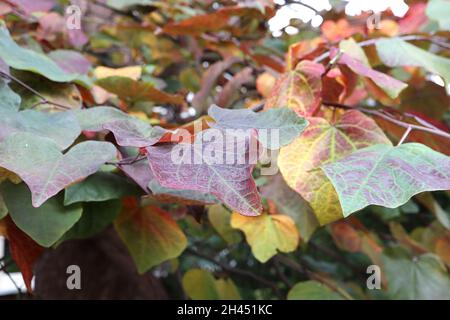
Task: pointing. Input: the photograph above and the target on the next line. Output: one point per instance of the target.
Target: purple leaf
(31, 6)
(128, 131)
(209, 166)
(46, 171)
(71, 61)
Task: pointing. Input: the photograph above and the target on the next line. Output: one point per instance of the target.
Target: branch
(386, 116)
(236, 271)
(23, 84)
(288, 262)
(434, 40)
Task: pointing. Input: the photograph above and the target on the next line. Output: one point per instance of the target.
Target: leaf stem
(427, 128)
(405, 135)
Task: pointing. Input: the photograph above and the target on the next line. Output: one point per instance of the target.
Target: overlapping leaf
(45, 224)
(267, 234)
(275, 127)
(299, 89)
(220, 218)
(397, 52)
(24, 59)
(150, 233)
(45, 170)
(321, 143)
(387, 176)
(209, 166)
(133, 90)
(201, 285)
(312, 290)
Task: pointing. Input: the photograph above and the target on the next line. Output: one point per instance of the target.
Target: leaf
(71, 61)
(128, 130)
(290, 203)
(439, 10)
(299, 89)
(312, 290)
(200, 285)
(125, 4)
(45, 224)
(100, 186)
(46, 171)
(134, 91)
(140, 173)
(275, 127)
(387, 176)
(323, 142)
(31, 6)
(211, 22)
(60, 127)
(132, 72)
(220, 219)
(24, 251)
(209, 167)
(150, 234)
(3, 208)
(9, 100)
(351, 58)
(396, 52)
(96, 217)
(189, 197)
(28, 60)
(267, 234)
(415, 278)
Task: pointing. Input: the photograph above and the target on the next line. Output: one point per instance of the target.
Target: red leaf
(24, 250)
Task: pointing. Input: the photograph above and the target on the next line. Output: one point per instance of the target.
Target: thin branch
(236, 271)
(405, 135)
(127, 161)
(429, 128)
(3, 269)
(23, 84)
(288, 262)
(369, 42)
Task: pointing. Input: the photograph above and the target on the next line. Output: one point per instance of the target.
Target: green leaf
(395, 52)
(439, 10)
(45, 224)
(312, 290)
(100, 186)
(266, 234)
(28, 60)
(150, 234)
(46, 171)
(9, 100)
(124, 4)
(387, 176)
(220, 220)
(96, 217)
(200, 285)
(3, 208)
(134, 91)
(415, 278)
(275, 127)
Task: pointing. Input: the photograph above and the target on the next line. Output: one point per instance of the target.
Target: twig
(3, 269)
(332, 62)
(23, 84)
(429, 128)
(236, 271)
(406, 38)
(405, 135)
(128, 161)
(313, 275)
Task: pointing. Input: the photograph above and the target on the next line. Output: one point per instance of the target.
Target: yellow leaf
(267, 233)
(133, 72)
(321, 143)
(5, 174)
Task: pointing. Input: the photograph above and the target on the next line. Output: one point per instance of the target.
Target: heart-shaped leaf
(209, 166)
(45, 170)
(324, 142)
(267, 234)
(275, 127)
(387, 176)
(45, 224)
(150, 234)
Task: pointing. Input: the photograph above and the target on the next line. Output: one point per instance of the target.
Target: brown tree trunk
(107, 271)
